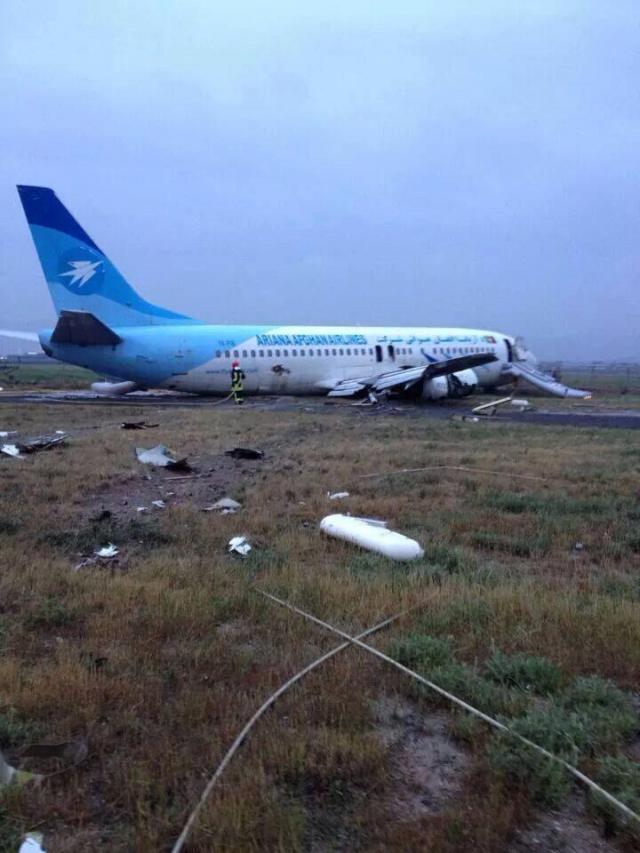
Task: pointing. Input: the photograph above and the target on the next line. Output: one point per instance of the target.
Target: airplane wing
(545, 382)
(405, 378)
(24, 336)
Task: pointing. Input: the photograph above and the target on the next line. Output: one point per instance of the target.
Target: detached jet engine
(460, 384)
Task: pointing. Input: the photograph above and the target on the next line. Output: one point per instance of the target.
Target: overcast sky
(427, 163)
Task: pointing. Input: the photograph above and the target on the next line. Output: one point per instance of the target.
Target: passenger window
(348, 352)
(227, 353)
(253, 353)
(270, 353)
(236, 354)
(302, 352)
(277, 353)
(334, 352)
(326, 352)
(310, 352)
(294, 352)
(341, 352)
(285, 353)
(218, 353)
(244, 353)
(318, 352)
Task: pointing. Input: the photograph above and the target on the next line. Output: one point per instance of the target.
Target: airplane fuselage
(277, 360)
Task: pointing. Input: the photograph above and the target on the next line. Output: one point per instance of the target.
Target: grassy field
(52, 375)
(159, 658)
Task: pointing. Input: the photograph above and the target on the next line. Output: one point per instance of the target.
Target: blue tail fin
(79, 275)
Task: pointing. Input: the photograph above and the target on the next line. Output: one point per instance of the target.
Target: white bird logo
(81, 271)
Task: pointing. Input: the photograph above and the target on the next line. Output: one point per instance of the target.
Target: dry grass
(191, 650)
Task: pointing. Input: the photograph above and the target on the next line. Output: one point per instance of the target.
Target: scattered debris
(141, 509)
(471, 418)
(11, 450)
(44, 442)
(32, 843)
(239, 545)
(107, 552)
(578, 546)
(225, 506)
(60, 432)
(336, 496)
(245, 453)
(492, 407)
(371, 536)
(137, 425)
(159, 504)
(160, 457)
(6, 433)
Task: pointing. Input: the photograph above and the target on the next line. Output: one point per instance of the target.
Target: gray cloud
(455, 163)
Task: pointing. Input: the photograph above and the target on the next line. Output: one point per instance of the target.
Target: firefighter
(237, 377)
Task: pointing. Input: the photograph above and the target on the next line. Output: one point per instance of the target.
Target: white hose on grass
(462, 704)
(177, 847)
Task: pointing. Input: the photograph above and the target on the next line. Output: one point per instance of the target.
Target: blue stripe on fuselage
(150, 355)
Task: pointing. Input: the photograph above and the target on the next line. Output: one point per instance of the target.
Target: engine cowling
(459, 384)
(113, 389)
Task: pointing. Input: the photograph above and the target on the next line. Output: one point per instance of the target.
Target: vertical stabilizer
(79, 275)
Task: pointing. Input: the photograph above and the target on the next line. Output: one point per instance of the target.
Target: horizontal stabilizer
(545, 382)
(82, 328)
(21, 336)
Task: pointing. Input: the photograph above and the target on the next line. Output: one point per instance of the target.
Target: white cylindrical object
(113, 389)
(390, 544)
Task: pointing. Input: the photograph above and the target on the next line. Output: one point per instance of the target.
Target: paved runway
(457, 409)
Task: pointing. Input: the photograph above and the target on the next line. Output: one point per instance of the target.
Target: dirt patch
(428, 766)
(213, 477)
(565, 831)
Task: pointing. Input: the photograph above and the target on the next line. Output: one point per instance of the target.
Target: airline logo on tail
(81, 271)
(81, 275)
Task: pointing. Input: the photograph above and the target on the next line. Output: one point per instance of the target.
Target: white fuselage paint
(314, 368)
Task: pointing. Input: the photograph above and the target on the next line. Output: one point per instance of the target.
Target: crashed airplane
(104, 325)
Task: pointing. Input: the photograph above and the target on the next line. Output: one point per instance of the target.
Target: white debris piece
(225, 506)
(60, 432)
(6, 433)
(336, 496)
(159, 504)
(239, 545)
(141, 509)
(160, 456)
(11, 450)
(32, 843)
(371, 536)
(107, 552)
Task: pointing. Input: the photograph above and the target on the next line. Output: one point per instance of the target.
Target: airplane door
(509, 349)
